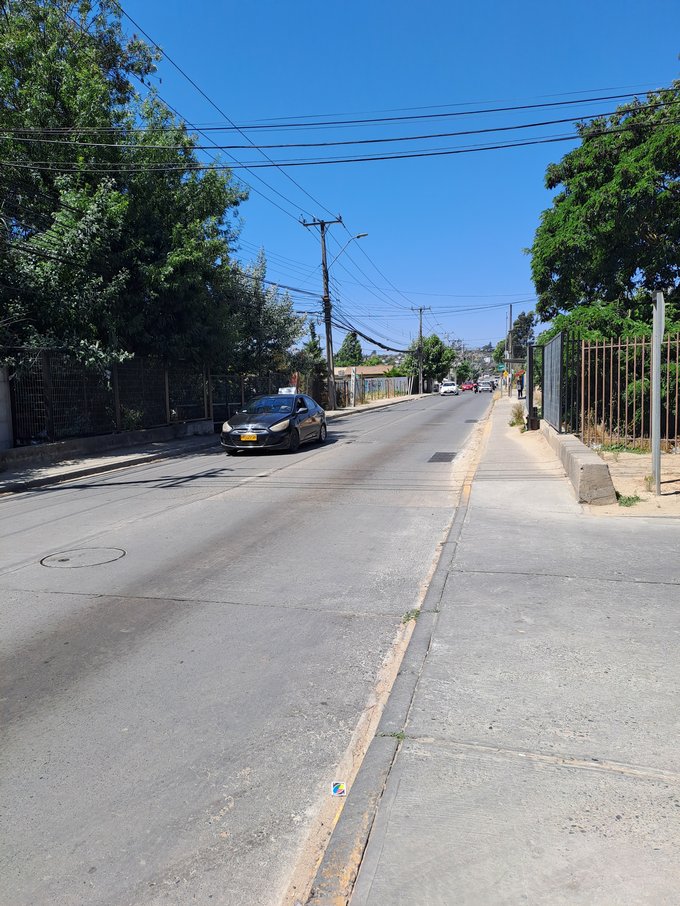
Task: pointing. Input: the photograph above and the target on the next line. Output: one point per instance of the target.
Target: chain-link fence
(55, 396)
(230, 391)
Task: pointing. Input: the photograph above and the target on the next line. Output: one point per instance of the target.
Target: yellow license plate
(249, 437)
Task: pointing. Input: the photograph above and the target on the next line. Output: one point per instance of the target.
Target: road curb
(32, 483)
(337, 872)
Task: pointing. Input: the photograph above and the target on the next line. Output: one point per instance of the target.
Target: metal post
(530, 388)
(657, 338)
(168, 413)
(206, 408)
(116, 397)
(420, 352)
(48, 396)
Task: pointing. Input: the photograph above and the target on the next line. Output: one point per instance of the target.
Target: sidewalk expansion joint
(580, 577)
(601, 765)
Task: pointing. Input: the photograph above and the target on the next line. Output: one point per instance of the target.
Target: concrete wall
(6, 436)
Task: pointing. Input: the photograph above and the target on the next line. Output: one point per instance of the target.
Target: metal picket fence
(616, 392)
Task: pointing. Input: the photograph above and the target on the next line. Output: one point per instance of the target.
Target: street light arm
(351, 239)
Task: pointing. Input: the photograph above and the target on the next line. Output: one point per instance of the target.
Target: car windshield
(262, 405)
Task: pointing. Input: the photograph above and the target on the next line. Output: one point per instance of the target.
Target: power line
(188, 123)
(636, 89)
(334, 144)
(48, 166)
(369, 121)
(214, 105)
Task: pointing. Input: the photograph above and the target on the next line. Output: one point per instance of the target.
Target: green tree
(597, 322)
(613, 231)
(350, 353)
(437, 358)
(111, 241)
(266, 326)
(463, 372)
(499, 352)
(310, 359)
(522, 333)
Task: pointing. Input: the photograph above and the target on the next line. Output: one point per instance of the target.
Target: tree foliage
(463, 372)
(522, 333)
(111, 239)
(264, 323)
(309, 359)
(613, 230)
(437, 358)
(350, 352)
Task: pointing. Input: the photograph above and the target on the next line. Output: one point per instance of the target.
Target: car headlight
(280, 426)
(226, 427)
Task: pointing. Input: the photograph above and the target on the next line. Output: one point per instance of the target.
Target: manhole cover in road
(83, 556)
(442, 457)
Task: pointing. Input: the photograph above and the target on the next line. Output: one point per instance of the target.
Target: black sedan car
(279, 421)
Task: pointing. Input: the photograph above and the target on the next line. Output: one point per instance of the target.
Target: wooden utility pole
(420, 347)
(323, 225)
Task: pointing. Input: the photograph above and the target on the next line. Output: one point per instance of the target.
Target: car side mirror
(303, 409)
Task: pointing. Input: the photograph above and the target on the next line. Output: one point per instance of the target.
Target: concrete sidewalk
(39, 473)
(536, 726)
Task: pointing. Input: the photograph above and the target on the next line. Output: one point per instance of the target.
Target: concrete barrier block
(588, 474)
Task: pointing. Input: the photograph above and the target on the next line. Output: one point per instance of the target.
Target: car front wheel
(294, 445)
(323, 433)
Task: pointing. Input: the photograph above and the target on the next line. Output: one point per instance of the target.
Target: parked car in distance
(280, 421)
(467, 385)
(485, 387)
(448, 387)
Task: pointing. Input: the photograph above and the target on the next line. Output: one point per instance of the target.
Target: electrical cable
(335, 144)
(188, 123)
(370, 121)
(633, 89)
(47, 166)
(213, 104)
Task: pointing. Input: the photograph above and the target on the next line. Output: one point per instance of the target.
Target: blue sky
(445, 232)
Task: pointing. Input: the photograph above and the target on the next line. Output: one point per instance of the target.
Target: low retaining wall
(78, 446)
(587, 472)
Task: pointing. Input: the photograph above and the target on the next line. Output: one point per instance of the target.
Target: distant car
(448, 387)
(467, 385)
(485, 387)
(279, 421)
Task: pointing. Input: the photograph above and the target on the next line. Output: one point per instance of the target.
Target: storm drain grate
(442, 457)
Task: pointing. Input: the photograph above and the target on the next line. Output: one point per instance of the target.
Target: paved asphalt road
(171, 719)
